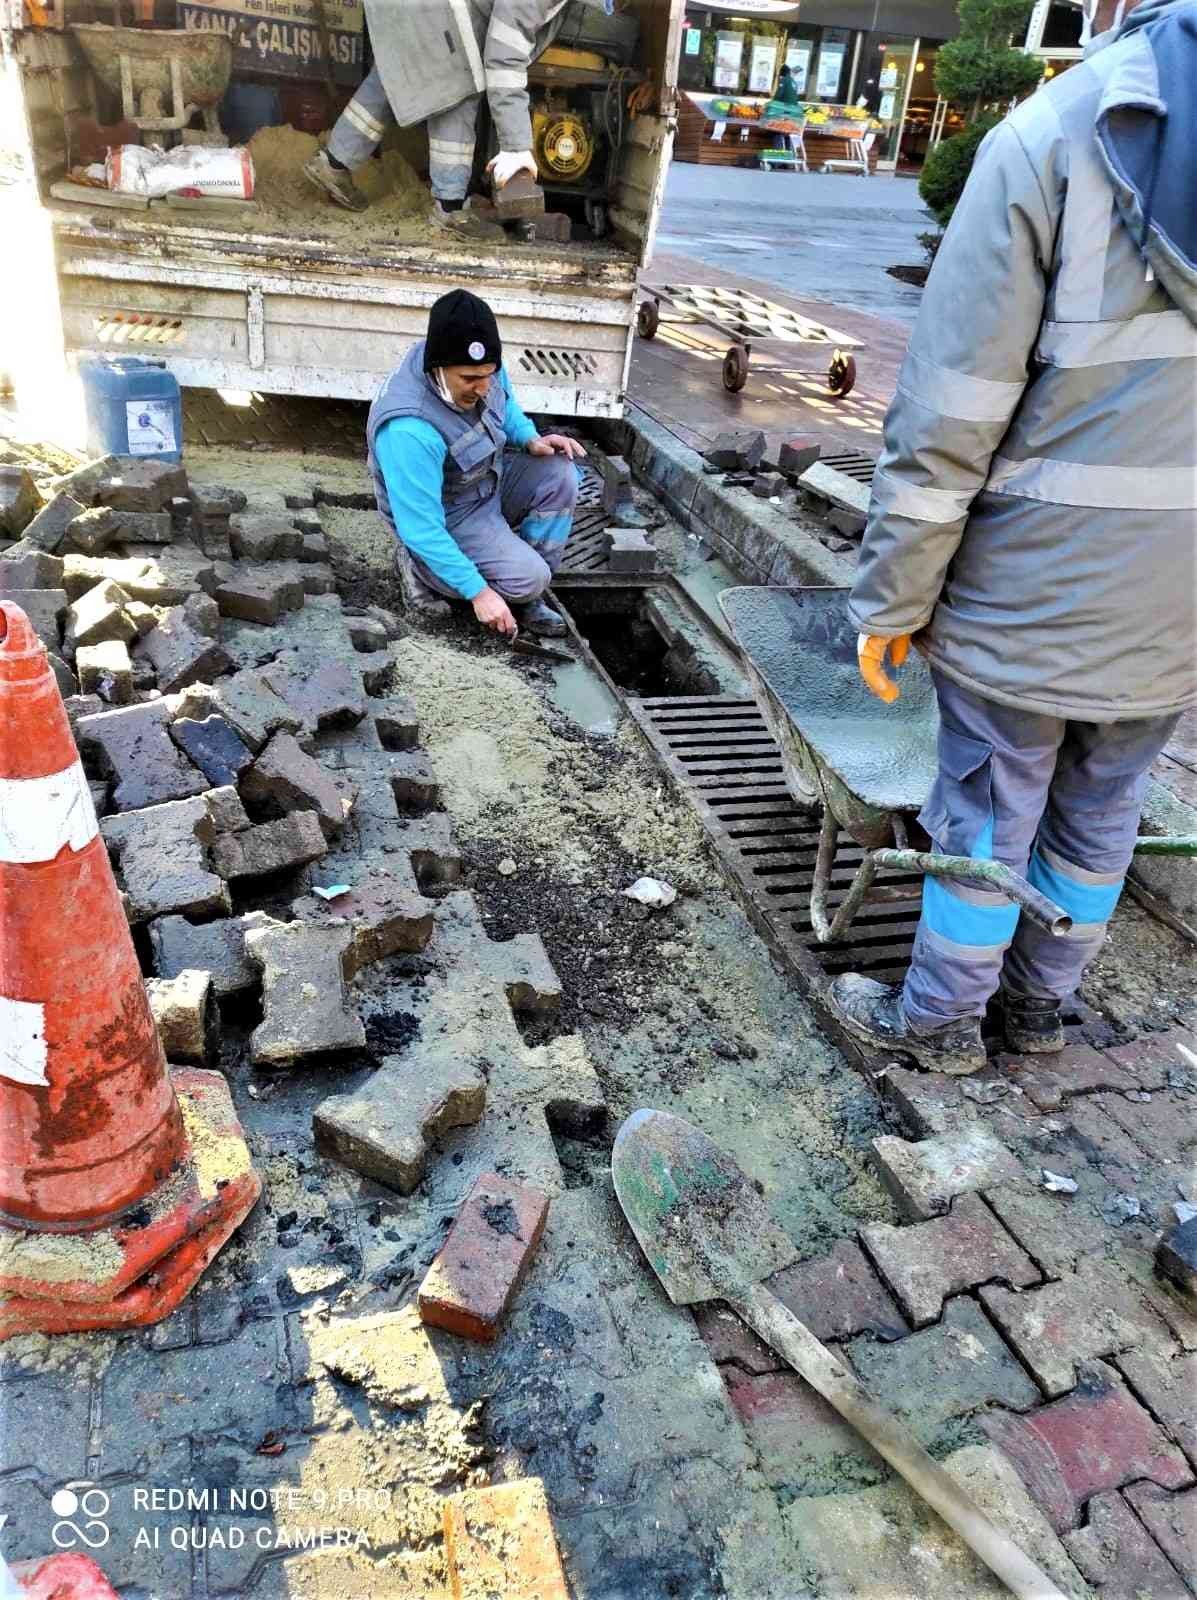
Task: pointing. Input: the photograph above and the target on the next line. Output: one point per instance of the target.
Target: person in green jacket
(787, 89)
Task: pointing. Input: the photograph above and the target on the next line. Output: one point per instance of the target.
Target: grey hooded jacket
(433, 54)
(1035, 506)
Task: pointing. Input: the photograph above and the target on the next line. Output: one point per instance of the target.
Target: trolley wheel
(841, 374)
(735, 369)
(648, 319)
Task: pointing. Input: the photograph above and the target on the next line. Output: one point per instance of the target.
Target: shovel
(709, 1235)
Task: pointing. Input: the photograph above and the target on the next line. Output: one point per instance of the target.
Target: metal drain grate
(852, 463)
(720, 751)
(586, 549)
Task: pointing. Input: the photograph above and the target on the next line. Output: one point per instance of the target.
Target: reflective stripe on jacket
(1035, 505)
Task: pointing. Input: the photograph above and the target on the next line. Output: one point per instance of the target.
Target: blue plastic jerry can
(133, 408)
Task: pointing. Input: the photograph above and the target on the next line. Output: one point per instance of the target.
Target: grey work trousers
(515, 537)
(360, 127)
(1059, 801)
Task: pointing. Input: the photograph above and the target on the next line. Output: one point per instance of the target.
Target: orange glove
(870, 656)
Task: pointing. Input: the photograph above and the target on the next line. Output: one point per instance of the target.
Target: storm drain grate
(588, 547)
(720, 751)
(852, 463)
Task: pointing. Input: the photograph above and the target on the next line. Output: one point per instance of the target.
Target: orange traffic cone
(62, 1577)
(118, 1183)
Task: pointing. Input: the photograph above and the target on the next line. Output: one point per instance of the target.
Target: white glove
(508, 162)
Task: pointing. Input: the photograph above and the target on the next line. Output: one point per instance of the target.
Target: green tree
(981, 71)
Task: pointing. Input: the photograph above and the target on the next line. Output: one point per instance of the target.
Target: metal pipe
(828, 930)
(993, 875)
(1164, 844)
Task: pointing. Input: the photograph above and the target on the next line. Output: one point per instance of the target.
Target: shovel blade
(706, 1231)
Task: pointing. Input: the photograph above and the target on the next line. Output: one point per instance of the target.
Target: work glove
(507, 163)
(870, 657)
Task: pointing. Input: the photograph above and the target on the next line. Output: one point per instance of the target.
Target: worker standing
(480, 503)
(432, 61)
(1033, 528)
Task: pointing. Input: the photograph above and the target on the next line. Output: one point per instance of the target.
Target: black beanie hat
(462, 332)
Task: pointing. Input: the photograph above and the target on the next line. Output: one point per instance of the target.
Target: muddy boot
(1032, 1027)
(541, 619)
(872, 1012)
(335, 182)
(418, 599)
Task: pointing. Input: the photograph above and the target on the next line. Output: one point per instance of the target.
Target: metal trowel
(709, 1235)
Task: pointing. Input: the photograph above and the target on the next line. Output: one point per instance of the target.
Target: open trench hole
(625, 631)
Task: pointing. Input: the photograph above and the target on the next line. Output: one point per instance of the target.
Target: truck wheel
(648, 319)
(841, 374)
(735, 369)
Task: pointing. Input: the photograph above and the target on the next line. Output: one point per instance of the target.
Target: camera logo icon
(81, 1509)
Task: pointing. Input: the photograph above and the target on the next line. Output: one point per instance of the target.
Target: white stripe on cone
(23, 1041)
(39, 815)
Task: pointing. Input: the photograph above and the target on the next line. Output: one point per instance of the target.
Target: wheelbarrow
(868, 766)
(187, 70)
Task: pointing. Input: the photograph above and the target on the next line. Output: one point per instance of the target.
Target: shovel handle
(781, 1329)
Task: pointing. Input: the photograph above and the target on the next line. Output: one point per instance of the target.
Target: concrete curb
(760, 541)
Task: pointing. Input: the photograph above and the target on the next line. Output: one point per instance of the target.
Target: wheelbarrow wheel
(648, 319)
(841, 374)
(735, 369)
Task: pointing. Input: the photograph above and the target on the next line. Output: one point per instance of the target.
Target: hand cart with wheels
(752, 323)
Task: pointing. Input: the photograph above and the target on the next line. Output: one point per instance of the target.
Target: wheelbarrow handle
(1165, 844)
(993, 875)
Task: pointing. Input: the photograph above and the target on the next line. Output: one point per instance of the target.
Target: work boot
(418, 598)
(335, 182)
(1033, 1027)
(541, 619)
(872, 1012)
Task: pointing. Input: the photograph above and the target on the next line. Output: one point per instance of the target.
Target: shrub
(946, 169)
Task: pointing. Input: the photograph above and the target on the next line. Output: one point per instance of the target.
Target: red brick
(1165, 1125)
(1166, 1383)
(1056, 1231)
(1101, 1141)
(473, 1280)
(1093, 1312)
(802, 1444)
(1172, 1522)
(1150, 1057)
(926, 1263)
(1076, 1070)
(839, 1296)
(500, 1541)
(1118, 1556)
(926, 1175)
(730, 1340)
(927, 1102)
(1099, 1437)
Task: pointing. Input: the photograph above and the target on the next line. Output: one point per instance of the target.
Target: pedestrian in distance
(1033, 527)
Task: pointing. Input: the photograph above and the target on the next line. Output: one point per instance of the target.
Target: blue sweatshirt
(411, 455)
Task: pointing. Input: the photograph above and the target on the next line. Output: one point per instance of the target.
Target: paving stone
(839, 1295)
(45, 609)
(431, 846)
(217, 948)
(202, 614)
(213, 539)
(19, 501)
(171, 572)
(737, 452)
(413, 781)
(366, 633)
(802, 1444)
(1171, 1520)
(324, 693)
(397, 722)
(1166, 1383)
(136, 484)
(82, 705)
(133, 745)
(768, 485)
(179, 655)
(45, 1424)
(77, 574)
(1165, 1126)
(245, 701)
(929, 1261)
(92, 531)
(213, 746)
(318, 580)
(1093, 1312)
(147, 527)
(1098, 1437)
(478, 1269)
(63, 677)
(797, 453)
(377, 671)
(47, 530)
(1077, 1069)
(225, 808)
(162, 857)
(145, 618)
(392, 623)
(1149, 1058)
(731, 1342)
(1176, 1257)
(885, 1542)
(500, 1540)
(184, 1009)
(83, 483)
(1118, 1556)
(284, 779)
(630, 551)
(215, 500)
(258, 593)
(288, 842)
(1057, 1231)
(520, 964)
(306, 1006)
(928, 1103)
(24, 567)
(313, 545)
(924, 1178)
(946, 1372)
(386, 1135)
(98, 615)
(264, 536)
(385, 912)
(105, 669)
